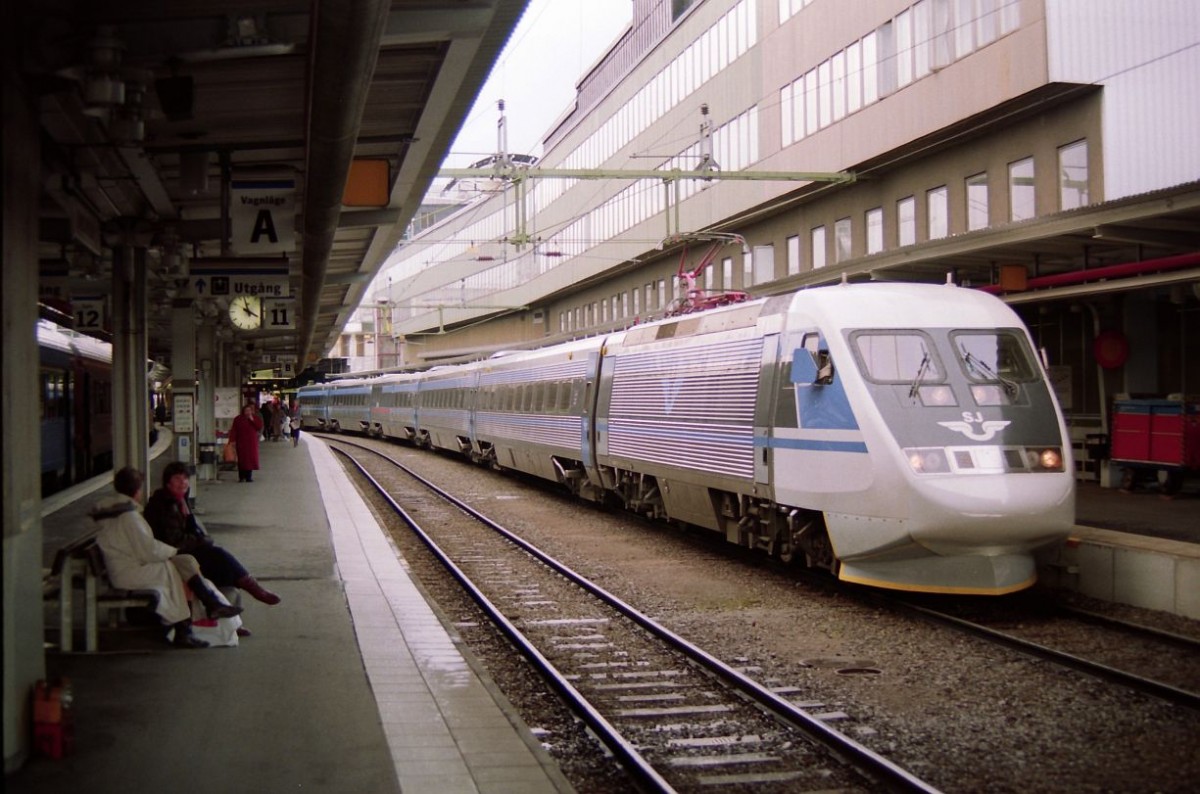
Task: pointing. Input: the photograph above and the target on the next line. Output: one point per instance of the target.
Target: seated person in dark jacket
(173, 523)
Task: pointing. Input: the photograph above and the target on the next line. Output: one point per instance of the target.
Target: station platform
(1139, 548)
(351, 684)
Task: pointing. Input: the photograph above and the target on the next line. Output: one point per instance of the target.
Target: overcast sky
(555, 41)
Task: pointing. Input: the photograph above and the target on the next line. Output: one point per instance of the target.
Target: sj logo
(975, 427)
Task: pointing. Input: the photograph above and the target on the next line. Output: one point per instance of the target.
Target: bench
(82, 562)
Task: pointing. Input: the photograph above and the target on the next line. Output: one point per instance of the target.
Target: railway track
(1089, 642)
(675, 717)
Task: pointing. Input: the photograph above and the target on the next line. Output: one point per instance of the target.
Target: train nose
(993, 514)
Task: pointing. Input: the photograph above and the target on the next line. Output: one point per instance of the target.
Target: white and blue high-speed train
(903, 436)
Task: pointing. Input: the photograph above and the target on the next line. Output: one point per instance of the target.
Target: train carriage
(314, 406)
(918, 421)
(75, 398)
(532, 411)
(347, 405)
(394, 410)
(445, 407)
(679, 414)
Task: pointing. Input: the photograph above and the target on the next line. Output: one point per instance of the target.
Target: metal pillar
(206, 344)
(131, 408)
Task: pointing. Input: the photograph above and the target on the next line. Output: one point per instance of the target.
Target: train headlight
(1044, 458)
(927, 460)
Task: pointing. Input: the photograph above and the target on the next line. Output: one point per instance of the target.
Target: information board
(185, 413)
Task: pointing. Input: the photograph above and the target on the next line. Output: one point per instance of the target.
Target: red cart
(1156, 436)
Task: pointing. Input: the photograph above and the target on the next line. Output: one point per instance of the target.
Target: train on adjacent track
(902, 436)
(75, 401)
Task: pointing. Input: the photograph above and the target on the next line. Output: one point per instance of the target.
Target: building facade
(1039, 148)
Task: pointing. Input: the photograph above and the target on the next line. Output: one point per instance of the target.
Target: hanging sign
(88, 312)
(262, 215)
(220, 278)
(279, 314)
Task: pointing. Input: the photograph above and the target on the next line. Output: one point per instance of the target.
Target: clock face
(245, 311)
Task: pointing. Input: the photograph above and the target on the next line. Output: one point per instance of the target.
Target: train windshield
(898, 357)
(995, 362)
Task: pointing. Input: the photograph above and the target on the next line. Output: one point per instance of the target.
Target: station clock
(245, 312)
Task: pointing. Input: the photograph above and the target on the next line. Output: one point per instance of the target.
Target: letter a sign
(262, 213)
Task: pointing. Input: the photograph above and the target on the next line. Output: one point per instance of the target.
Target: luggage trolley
(1156, 436)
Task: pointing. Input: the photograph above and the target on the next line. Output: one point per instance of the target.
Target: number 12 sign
(89, 313)
(279, 314)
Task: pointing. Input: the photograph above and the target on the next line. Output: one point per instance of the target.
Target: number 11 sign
(279, 314)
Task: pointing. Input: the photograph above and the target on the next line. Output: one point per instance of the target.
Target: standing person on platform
(295, 424)
(244, 434)
(266, 420)
(278, 414)
(136, 561)
(173, 523)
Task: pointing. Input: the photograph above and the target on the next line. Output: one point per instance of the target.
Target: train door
(57, 440)
(764, 410)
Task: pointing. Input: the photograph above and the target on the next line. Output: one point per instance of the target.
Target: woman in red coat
(244, 433)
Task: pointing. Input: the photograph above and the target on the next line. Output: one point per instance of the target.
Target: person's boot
(184, 637)
(212, 604)
(251, 586)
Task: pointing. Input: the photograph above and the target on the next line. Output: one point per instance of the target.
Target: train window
(53, 395)
(897, 357)
(995, 362)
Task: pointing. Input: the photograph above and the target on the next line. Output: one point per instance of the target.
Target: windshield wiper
(1010, 387)
(921, 372)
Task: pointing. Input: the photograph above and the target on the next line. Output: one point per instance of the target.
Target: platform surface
(352, 684)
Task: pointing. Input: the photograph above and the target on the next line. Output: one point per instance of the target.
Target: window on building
(874, 220)
(988, 22)
(841, 240)
(839, 85)
(906, 221)
(870, 68)
(964, 39)
(1021, 193)
(637, 302)
(922, 38)
(977, 202)
(886, 42)
(764, 264)
(662, 293)
(818, 247)
(785, 115)
(942, 32)
(1073, 175)
(937, 207)
(853, 77)
(726, 273)
(793, 254)
(904, 48)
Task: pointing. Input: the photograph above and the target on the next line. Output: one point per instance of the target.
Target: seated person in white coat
(136, 561)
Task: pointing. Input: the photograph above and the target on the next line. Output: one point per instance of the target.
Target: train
(901, 436)
(75, 406)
